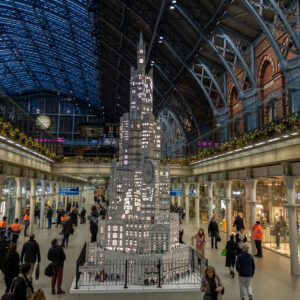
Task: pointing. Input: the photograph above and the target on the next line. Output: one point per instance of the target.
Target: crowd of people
(19, 269)
(237, 257)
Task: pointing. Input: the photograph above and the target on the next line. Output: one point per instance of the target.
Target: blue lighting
(47, 45)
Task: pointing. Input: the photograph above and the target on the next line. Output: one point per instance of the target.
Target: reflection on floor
(272, 279)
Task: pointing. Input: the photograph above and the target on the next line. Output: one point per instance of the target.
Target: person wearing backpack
(10, 265)
(21, 286)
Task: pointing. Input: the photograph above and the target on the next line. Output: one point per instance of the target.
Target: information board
(68, 191)
(176, 192)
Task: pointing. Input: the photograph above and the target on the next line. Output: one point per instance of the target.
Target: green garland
(284, 125)
(7, 130)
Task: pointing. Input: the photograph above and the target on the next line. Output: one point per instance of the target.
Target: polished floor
(272, 279)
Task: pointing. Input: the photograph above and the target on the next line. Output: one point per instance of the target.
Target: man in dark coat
(94, 229)
(4, 244)
(31, 253)
(231, 255)
(213, 232)
(67, 230)
(57, 256)
(246, 267)
(49, 217)
(238, 222)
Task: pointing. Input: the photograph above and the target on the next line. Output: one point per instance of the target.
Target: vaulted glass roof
(48, 45)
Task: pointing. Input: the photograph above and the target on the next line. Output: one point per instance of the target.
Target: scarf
(212, 286)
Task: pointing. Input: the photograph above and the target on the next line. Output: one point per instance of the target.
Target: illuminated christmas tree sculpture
(139, 227)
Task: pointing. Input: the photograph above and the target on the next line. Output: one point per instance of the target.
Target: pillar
(42, 212)
(293, 235)
(19, 183)
(179, 198)
(51, 193)
(2, 181)
(210, 200)
(32, 203)
(228, 201)
(252, 203)
(187, 202)
(197, 204)
(271, 199)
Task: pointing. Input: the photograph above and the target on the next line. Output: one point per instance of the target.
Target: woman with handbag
(231, 255)
(200, 242)
(212, 285)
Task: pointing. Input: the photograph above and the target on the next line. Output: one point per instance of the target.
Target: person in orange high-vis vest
(258, 237)
(26, 222)
(3, 225)
(63, 220)
(16, 229)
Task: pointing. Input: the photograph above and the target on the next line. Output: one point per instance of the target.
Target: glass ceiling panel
(47, 45)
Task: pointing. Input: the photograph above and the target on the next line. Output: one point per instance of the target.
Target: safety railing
(80, 262)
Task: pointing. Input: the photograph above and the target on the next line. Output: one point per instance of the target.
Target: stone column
(210, 199)
(293, 235)
(19, 183)
(179, 198)
(187, 202)
(228, 200)
(2, 195)
(51, 193)
(42, 212)
(252, 203)
(197, 204)
(32, 203)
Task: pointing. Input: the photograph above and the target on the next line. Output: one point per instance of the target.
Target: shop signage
(192, 192)
(209, 144)
(176, 192)
(68, 191)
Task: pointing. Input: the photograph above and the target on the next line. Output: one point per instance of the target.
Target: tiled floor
(271, 281)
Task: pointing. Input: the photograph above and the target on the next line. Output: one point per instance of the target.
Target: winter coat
(11, 265)
(231, 254)
(57, 255)
(206, 288)
(67, 227)
(239, 223)
(49, 212)
(3, 250)
(245, 265)
(93, 227)
(31, 251)
(213, 228)
(20, 288)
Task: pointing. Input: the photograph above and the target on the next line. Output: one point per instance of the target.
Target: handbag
(37, 272)
(48, 270)
(224, 252)
(218, 238)
(11, 293)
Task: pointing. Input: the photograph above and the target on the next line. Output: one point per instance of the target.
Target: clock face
(148, 172)
(141, 51)
(44, 122)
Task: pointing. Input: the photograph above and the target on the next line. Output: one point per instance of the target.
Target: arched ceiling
(194, 47)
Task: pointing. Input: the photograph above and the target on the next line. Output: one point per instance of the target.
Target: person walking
(59, 215)
(200, 241)
(73, 216)
(31, 253)
(3, 225)
(240, 238)
(94, 229)
(277, 230)
(231, 255)
(246, 267)
(10, 265)
(4, 245)
(37, 216)
(16, 229)
(213, 232)
(57, 256)
(82, 215)
(67, 230)
(22, 287)
(238, 222)
(49, 217)
(26, 221)
(257, 237)
(212, 285)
